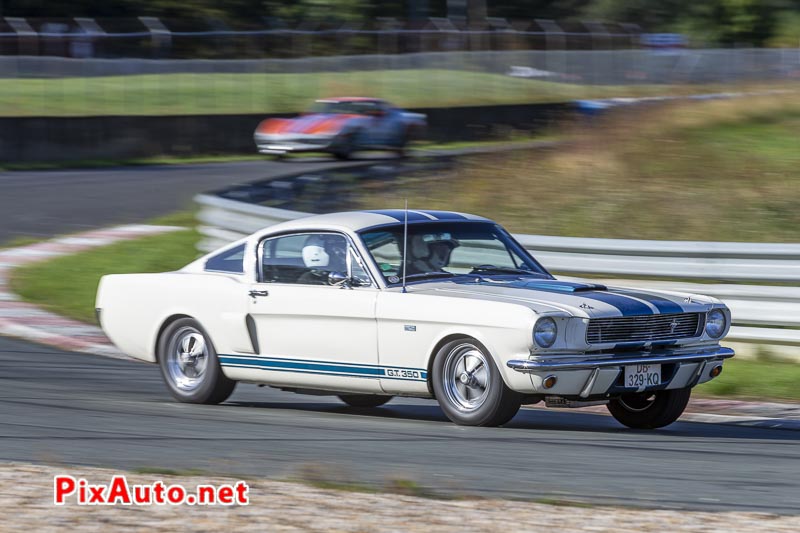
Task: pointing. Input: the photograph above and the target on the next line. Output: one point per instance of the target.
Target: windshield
(347, 107)
(445, 249)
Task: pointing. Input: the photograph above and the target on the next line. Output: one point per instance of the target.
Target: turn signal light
(716, 371)
(549, 382)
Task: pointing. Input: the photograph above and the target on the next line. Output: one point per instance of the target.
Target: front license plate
(638, 376)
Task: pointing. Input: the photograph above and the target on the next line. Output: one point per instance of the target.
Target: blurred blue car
(341, 126)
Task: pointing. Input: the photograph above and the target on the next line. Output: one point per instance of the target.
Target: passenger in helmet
(314, 254)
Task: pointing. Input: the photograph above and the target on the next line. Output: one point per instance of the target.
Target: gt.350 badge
(401, 373)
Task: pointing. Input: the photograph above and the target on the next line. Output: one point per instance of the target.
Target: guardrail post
(555, 43)
(27, 38)
(160, 36)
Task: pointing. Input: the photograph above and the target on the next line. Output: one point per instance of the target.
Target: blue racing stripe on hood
(626, 305)
(560, 286)
(662, 304)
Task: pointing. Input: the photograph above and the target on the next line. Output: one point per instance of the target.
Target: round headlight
(544, 332)
(715, 323)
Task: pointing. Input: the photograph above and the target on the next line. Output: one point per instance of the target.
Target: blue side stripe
(317, 361)
(662, 304)
(423, 377)
(293, 365)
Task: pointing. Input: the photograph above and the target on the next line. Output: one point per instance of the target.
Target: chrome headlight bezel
(716, 322)
(545, 332)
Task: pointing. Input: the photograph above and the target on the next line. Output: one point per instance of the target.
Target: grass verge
(755, 379)
(222, 93)
(725, 170)
(67, 285)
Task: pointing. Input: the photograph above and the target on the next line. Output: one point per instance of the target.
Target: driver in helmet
(440, 252)
(430, 253)
(323, 254)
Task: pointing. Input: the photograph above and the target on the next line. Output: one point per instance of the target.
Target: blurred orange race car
(341, 126)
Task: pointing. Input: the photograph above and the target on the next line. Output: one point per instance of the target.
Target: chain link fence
(53, 86)
(84, 67)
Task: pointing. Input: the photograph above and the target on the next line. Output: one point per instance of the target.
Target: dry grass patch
(726, 170)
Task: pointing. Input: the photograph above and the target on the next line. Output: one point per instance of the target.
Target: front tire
(366, 401)
(650, 410)
(344, 147)
(469, 387)
(189, 364)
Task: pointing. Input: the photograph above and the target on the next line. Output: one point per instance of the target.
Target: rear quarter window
(231, 261)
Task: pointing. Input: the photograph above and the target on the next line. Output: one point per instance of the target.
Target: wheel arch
(164, 325)
(449, 338)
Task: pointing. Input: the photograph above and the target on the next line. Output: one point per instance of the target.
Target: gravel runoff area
(26, 497)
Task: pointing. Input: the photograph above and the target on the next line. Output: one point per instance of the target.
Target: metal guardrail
(761, 314)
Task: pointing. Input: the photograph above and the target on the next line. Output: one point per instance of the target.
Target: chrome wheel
(187, 359)
(465, 378)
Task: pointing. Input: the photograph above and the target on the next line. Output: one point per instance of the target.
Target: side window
(228, 261)
(357, 272)
(305, 259)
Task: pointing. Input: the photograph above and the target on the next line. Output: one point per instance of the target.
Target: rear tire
(189, 364)
(366, 401)
(469, 387)
(650, 410)
(402, 148)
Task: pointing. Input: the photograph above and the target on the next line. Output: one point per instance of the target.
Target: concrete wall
(34, 139)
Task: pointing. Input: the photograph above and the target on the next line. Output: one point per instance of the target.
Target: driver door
(311, 333)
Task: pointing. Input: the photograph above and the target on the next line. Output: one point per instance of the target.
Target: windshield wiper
(503, 270)
(423, 275)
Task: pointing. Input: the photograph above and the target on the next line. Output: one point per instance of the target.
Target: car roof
(360, 220)
(350, 99)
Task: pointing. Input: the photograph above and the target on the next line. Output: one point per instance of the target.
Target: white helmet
(315, 256)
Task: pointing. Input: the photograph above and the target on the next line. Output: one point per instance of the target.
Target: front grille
(645, 328)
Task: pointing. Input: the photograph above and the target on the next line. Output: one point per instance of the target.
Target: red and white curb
(30, 322)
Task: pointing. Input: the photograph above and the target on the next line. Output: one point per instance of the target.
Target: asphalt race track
(56, 202)
(82, 409)
(88, 410)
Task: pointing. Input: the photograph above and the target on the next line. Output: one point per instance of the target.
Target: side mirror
(339, 278)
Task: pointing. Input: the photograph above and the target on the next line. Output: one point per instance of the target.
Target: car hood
(587, 300)
(315, 123)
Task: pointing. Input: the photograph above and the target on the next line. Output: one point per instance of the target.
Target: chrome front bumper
(282, 145)
(600, 376)
(609, 360)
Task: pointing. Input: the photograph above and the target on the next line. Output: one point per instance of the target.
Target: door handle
(254, 294)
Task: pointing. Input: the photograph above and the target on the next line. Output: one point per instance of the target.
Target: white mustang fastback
(370, 305)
